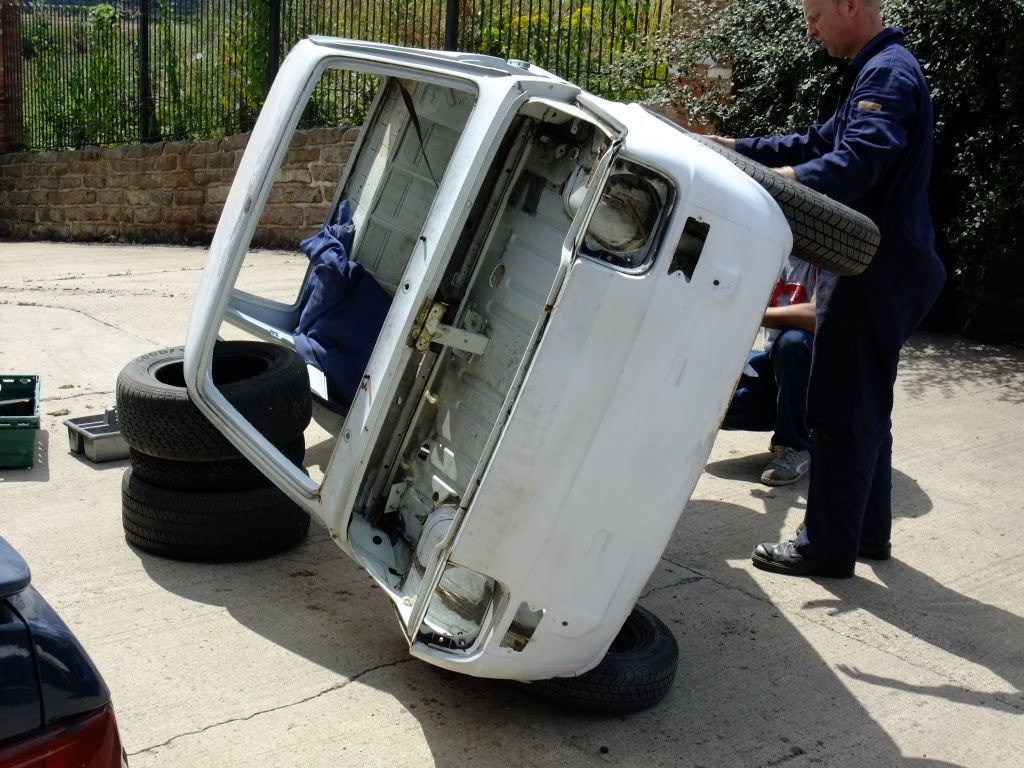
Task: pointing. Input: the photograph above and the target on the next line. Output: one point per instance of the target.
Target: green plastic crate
(19, 420)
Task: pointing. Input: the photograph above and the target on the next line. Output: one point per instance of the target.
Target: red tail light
(87, 742)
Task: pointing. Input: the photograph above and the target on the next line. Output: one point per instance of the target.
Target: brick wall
(171, 192)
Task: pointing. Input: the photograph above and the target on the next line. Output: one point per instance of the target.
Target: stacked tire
(188, 494)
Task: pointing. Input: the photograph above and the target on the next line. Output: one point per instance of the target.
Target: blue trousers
(776, 399)
(861, 329)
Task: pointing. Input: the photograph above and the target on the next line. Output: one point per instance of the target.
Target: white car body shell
(615, 405)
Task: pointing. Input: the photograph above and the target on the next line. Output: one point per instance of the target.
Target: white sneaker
(787, 466)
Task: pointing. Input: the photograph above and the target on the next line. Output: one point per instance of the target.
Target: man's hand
(723, 140)
(788, 172)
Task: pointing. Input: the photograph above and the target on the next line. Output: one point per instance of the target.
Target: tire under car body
(636, 673)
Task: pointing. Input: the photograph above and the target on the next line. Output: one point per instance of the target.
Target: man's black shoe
(868, 550)
(784, 558)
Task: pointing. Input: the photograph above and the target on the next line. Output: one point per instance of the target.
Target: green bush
(969, 48)
(602, 45)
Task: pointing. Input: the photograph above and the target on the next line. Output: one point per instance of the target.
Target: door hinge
(436, 332)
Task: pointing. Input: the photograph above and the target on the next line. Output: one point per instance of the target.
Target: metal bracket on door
(434, 331)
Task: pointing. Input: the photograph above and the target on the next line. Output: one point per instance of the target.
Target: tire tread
(161, 420)
(223, 476)
(209, 527)
(825, 232)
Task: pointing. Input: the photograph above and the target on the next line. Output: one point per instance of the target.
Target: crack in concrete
(91, 317)
(324, 692)
(719, 582)
(86, 393)
(82, 291)
(1011, 704)
(44, 281)
(794, 753)
(681, 582)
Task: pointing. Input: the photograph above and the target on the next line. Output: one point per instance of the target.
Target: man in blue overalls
(875, 155)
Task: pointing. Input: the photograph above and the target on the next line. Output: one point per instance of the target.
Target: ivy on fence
(209, 61)
(89, 100)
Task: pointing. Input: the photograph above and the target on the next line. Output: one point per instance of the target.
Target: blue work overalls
(875, 155)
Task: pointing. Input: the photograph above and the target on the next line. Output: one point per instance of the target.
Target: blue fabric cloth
(342, 309)
(775, 400)
(875, 155)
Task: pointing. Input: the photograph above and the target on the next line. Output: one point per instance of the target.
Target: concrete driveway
(298, 660)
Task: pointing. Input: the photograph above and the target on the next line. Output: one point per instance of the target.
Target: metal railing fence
(129, 71)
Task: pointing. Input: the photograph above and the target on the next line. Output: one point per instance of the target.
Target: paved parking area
(298, 661)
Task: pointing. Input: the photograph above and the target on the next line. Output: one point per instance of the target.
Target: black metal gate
(144, 70)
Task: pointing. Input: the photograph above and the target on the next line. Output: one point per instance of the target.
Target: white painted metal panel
(620, 402)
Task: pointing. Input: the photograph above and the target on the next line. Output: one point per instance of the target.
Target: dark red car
(55, 709)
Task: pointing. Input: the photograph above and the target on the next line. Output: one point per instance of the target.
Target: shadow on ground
(939, 362)
(908, 498)
(786, 704)
(919, 605)
(39, 472)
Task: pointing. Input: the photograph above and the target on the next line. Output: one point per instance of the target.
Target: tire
(225, 476)
(826, 233)
(636, 673)
(268, 384)
(209, 527)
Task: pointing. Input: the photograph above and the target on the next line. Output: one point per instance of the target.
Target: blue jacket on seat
(342, 309)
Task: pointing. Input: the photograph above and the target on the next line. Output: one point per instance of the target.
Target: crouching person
(772, 392)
